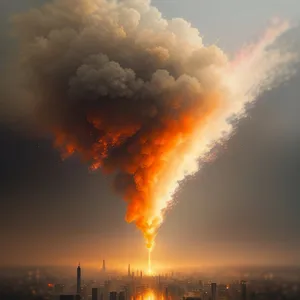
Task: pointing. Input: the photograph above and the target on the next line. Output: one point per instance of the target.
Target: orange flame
(149, 157)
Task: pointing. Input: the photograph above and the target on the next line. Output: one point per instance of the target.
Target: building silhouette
(129, 270)
(214, 291)
(78, 290)
(103, 266)
(95, 293)
(122, 296)
(113, 296)
(243, 290)
(98, 293)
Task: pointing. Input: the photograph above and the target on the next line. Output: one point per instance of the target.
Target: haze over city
(240, 210)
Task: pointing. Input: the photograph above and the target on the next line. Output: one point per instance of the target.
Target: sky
(240, 209)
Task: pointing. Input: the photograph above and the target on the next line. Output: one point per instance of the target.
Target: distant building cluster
(134, 285)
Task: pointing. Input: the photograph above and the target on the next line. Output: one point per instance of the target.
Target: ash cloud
(134, 94)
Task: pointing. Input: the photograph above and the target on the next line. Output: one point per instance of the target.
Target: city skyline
(53, 284)
(174, 286)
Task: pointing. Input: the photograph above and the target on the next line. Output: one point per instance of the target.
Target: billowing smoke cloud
(135, 95)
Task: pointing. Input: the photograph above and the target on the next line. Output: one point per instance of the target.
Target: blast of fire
(137, 95)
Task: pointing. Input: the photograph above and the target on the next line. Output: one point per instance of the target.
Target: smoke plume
(136, 95)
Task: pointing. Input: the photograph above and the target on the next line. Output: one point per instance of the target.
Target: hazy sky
(242, 208)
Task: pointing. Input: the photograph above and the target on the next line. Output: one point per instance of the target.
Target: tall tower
(243, 290)
(214, 291)
(129, 273)
(78, 279)
(95, 292)
(103, 266)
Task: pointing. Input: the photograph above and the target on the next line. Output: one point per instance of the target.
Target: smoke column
(138, 96)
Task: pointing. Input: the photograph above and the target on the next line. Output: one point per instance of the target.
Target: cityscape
(108, 284)
(149, 150)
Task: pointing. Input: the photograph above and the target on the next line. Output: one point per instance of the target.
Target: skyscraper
(243, 290)
(129, 273)
(113, 296)
(103, 266)
(214, 291)
(78, 279)
(95, 294)
(98, 293)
